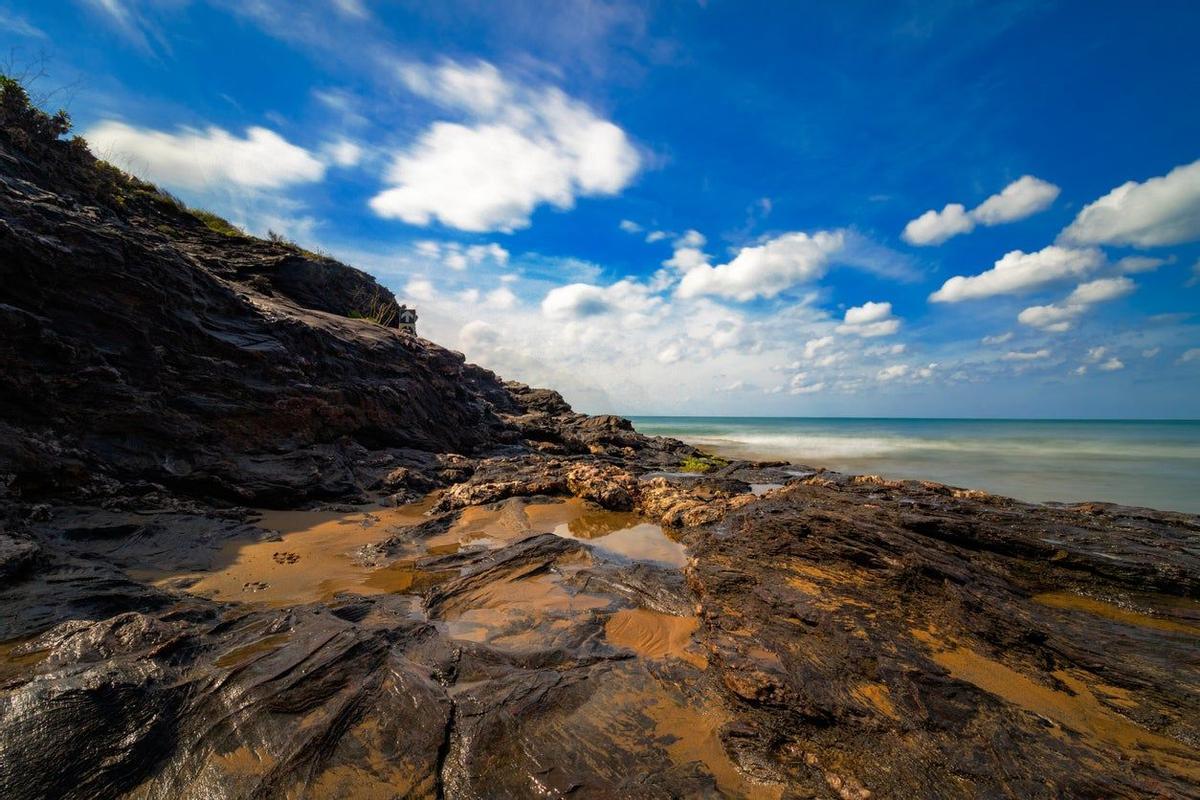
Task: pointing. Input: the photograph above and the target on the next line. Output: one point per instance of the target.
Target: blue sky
(910, 209)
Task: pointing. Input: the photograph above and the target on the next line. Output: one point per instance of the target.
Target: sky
(931, 209)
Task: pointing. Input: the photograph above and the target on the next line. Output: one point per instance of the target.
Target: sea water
(1135, 462)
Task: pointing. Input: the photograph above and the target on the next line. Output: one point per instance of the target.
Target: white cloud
(477, 333)
(208, 159)
(1023, 355)
(1100, 291)
(125, 19)
(1189, 356)
(760, 271)
(501, 298)
(812, 388)
(656, 236)
(459, 257)
(869, 320)
(629, 226)
(670, 354)
(1151, 352)
(420, 289)
(813, 346)
(1135, 264)
(581, 300)
(1022, 198)
(344, 153)
(999, 338)
(1018, 272)
(352, 8)
(19, 26)
(1058, 318)
(893, 372)
(935, 227)
(1195, 279)
(523, 147)
(1052, 318)
(1160, 211)
(1112, 365)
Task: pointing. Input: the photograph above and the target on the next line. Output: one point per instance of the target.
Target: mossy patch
(702, 463)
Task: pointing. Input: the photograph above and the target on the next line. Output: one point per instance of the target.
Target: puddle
(690, 734)
(614, 533)
(17, 664)
(312, 561)
(652, 634)
(239, 655)
(1078, 710)
(520, 614)
(1069, 601)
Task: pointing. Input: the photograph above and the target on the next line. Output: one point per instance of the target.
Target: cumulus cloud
(1100, 291)
(1058, 318)
(1019, 271)
(205, 159)
(935, 227)
(1111, 365)
(580, 300)
(1052, 318)
(1022, 198)
(762, 270)
(869, 320)
(1189, 356)
(629, 226)
(1160, 211)
(522, 147)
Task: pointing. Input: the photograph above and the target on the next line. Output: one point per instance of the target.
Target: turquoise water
(1144, 463)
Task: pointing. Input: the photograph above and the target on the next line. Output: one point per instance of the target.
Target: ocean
(1134, 462)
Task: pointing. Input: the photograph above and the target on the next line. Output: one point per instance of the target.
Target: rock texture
(833, 637)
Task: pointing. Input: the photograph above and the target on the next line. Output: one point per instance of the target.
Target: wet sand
(653, 634)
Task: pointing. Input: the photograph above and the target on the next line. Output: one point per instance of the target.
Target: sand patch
(652, 634)
(312, 560)
(1069, 601)
(1078, 710)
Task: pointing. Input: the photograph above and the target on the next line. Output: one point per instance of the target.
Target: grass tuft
(702, 463)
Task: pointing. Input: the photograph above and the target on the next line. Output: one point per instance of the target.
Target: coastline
(1153, 464)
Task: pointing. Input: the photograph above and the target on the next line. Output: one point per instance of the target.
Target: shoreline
(1056, 467)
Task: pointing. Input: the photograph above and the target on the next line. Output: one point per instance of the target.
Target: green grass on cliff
(702, 463)
(217, 223)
